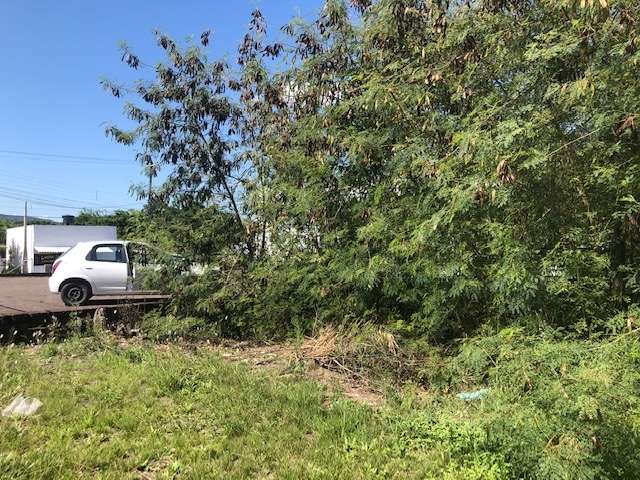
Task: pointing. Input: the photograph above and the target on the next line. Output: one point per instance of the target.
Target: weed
(556, 409)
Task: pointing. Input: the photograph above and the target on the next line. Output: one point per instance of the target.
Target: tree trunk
(618, 260)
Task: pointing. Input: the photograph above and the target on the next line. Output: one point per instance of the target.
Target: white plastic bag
(22, 407)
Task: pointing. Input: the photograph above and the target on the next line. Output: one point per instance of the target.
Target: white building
(45, 243)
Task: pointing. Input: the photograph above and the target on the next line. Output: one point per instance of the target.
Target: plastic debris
(22, 407)
(470, 396)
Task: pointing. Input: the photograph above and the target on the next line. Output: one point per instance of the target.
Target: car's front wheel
(75, 293)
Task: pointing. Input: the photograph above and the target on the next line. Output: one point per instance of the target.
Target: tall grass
(555, 409)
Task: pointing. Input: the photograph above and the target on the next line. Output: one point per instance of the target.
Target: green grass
(111, 412)
(557, 409)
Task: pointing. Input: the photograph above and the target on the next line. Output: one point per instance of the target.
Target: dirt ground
(283, 359)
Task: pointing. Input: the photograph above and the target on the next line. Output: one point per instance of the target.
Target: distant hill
(17, 219)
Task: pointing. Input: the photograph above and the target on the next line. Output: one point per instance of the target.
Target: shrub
(159, 327)
(555, 408)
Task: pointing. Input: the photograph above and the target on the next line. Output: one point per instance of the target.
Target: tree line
(436, 166)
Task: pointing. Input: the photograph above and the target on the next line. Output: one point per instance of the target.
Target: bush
(159, 327)
(555, 408)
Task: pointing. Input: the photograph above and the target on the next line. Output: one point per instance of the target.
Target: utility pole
(151, 170)
(150, 186)
(25, 260)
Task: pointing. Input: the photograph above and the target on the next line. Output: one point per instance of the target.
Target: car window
(107, 253)
(68, 251)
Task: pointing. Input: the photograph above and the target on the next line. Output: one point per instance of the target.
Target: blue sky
(53, 149)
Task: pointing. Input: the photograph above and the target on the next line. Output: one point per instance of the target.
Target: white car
(92, 268)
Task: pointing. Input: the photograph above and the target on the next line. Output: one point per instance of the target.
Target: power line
(40, 201)
(35, 200)
(33, 182)
(33, 215)
(70, 158)
(47, 197)
(97, 163)
(55, 198)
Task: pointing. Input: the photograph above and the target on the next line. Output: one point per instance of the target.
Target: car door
(107, 267)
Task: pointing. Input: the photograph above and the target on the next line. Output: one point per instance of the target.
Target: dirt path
(285, 360)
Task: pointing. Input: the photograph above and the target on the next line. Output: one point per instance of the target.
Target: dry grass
(365, 356)
(323, 346)
(331, 343)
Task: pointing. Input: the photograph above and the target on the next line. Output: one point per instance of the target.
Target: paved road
(30, 295)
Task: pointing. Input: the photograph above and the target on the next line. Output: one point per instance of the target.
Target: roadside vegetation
(435, 167)
(114, 409)
(428, 198)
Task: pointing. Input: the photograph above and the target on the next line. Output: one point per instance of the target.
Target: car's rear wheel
(75, 293)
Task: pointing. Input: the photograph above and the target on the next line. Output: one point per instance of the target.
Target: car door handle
(88, 268)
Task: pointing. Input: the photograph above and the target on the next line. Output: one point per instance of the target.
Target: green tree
(185, 124)
(446, 164)
(434, 165)
(129, 223)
